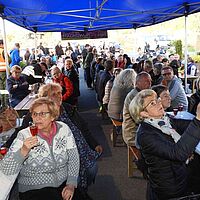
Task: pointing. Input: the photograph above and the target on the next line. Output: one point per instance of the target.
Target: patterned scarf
(86, 154)
(164, 125)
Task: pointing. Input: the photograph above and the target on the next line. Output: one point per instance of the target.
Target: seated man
(17, 86)
(175, 87)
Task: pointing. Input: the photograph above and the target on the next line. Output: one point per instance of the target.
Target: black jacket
(166, 159)
(102, 78)
(75, 118)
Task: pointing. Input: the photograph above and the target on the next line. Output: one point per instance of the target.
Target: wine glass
(175, 111)
(33, 129)
(180, 107)
(3, 151)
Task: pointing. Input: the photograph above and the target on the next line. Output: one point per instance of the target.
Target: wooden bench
(133, 155)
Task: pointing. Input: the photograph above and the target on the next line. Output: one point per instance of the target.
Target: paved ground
(112, 182)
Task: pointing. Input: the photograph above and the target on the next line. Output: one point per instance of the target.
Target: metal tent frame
(90, 15)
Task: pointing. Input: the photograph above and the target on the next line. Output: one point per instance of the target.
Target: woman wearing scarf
(164, 149)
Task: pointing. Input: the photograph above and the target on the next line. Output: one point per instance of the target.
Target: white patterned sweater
(46, 165)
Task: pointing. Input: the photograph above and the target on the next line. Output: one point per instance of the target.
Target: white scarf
(164, 125)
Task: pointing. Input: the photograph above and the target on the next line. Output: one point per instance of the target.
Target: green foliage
(196, 58)
(178, 47)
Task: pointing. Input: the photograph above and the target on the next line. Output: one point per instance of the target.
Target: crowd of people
(61, 161)
(139, 95)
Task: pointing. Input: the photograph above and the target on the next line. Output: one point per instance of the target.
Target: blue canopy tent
(89, 15)
(47, 15)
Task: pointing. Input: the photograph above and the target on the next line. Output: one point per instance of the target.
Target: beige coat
(129, 127)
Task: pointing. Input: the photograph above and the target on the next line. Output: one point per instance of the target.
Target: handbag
(8, 118)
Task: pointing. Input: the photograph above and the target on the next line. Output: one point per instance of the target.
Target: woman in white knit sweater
(48, 163)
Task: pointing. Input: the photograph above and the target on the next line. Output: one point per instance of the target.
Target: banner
(75, 35)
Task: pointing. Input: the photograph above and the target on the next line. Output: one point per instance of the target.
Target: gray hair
(137, 104)
(125, 79)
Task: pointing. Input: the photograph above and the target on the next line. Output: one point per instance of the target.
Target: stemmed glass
(175, 111)
(33, 129)
(3, 151)
(180, 109)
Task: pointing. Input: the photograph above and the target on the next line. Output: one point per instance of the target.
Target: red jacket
(66, 84)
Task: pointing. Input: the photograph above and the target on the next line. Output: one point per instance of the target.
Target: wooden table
(191, 78)
(25, 104)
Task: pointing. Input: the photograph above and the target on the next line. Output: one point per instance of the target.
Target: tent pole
(5, 49)
(186, 49)
(36, 46)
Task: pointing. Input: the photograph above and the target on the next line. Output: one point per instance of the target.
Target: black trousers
(47, 193)
(88, 77)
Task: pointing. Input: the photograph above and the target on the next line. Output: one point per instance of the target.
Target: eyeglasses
(40, 114)
(152, 103)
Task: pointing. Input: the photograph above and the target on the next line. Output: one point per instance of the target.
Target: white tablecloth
(182, 115)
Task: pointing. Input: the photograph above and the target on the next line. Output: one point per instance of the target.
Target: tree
(178, 47)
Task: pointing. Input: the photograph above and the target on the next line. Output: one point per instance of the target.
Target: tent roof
(86, 15)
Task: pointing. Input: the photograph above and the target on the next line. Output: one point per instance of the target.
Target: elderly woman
(88, 147)
(48, 163)
(122, 85)
(17, 86)
(165, 151)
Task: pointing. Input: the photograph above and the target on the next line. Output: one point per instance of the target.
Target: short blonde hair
(45, 90)
(137, 104)
(52, 107)
(15, 68)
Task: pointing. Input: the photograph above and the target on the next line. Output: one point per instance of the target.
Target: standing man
(14, 55)
(88, 61)
(129, 127)
(59, 50)
(2, 67)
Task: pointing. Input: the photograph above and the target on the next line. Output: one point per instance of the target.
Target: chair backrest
(135, 152)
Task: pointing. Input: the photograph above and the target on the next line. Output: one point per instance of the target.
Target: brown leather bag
(8, 118)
